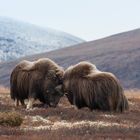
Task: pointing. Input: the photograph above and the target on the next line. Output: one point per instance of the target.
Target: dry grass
(4, 90)
(66, 122)
(10, 119)
(133, 93)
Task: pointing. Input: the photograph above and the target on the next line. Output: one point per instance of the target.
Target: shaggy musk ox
(86, 86)
(40, 79)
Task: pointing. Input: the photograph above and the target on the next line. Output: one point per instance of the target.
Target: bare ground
(66, 122)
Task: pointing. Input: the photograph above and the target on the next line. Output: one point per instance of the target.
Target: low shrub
(10, 119)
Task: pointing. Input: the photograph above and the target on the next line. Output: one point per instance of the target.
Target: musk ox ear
(59, 90)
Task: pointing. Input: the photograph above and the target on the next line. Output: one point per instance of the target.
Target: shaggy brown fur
(38, 80)
(86, 86)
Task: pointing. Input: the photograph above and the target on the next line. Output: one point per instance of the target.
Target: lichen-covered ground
(66, 122)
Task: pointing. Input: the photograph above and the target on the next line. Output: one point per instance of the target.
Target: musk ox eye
(60, 81)
(47, 91)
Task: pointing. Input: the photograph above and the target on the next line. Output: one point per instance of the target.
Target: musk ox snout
(52, 104)
(59, 90)
(53, 95)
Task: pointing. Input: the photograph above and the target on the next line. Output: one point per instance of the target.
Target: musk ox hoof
(46, 106)
(74, 107)
(33, 109)
(29, 108)
(24, 106)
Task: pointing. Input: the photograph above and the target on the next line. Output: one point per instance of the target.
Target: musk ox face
(52, 95)
(52, 89)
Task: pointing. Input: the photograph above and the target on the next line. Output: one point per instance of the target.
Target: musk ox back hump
(44, 65)
(80, 70)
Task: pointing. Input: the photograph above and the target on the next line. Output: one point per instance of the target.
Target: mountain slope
(20, 39)
(119, 54)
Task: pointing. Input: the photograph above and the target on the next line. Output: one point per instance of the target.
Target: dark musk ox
(86, 86)
(39, 79)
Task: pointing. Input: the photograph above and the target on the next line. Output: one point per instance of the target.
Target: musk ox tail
(12, 82)
(122, 105)
(122, 102)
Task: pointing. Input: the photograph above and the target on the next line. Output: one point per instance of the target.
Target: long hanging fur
(34, 78)
(86, 86)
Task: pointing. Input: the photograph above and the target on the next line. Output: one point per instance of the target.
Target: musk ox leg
(22, 103)
(75, 107)
(46, 105)
(30, 103)
(16, 102)
(111, 105)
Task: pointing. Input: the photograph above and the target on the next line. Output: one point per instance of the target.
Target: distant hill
(21, 39)
(119, 54)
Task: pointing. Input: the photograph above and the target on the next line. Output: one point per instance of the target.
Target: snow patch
(18, 39)
(49, 125)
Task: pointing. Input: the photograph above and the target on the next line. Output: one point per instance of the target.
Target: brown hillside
(119, 54)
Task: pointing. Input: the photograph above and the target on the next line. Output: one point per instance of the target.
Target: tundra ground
(66, 122)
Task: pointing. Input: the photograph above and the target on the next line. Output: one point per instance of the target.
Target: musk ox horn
(60, 73)
(51, 74)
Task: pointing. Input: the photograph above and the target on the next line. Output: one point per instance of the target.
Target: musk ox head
(53, 88)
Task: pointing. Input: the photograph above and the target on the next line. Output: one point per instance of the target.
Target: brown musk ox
(39, 79)
(86, 86)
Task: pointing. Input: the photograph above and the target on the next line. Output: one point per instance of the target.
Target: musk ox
(86, 86)
(39, 79)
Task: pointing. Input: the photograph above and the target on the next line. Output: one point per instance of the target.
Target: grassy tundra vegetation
(66, 122)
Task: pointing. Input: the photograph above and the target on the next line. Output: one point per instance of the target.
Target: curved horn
(51, 74)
